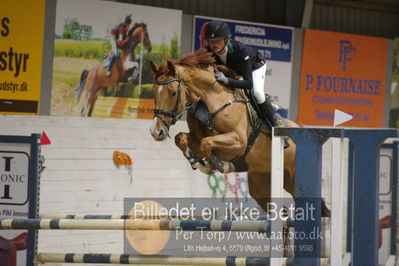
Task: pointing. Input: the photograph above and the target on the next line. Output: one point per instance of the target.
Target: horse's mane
(136, 25)
(204, 58)
(199, 58)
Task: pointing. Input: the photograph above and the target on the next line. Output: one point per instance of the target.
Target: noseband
(173, 114)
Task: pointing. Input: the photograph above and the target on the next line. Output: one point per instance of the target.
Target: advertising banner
(275, 45)
(394, 112)
(386, 195)
(102, 51)
(21, 45)
(345, 72)
(18, 196)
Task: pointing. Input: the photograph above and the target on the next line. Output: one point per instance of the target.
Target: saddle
(200, 112)
(255, 113)
(8, 248)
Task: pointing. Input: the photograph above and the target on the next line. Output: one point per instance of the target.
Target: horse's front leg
(189, 145)
(223, 147)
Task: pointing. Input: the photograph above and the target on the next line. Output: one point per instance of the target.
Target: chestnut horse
(92, 81)
(181, 84)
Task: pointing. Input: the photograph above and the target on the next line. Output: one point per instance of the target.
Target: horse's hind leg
(259, 188)
(325, 211)
(92, 101)
(289, 186)
(87, 93)
(85, 106)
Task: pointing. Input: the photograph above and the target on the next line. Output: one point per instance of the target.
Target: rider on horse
(118, 38)
(246, 61)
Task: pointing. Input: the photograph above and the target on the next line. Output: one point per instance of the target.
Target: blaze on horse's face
(169, 100)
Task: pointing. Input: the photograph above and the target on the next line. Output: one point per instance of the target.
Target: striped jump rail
(134, 259)
(289, 222)
(112, 216)
(135, 224)
(148, 217)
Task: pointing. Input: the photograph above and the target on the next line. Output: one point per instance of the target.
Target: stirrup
(278, 122)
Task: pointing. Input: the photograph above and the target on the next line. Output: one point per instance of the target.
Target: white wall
(81, 178)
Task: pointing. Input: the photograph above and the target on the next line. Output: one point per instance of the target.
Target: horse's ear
(154, 67)
(171, 67)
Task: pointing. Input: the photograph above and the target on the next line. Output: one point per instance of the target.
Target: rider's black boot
(269, 113)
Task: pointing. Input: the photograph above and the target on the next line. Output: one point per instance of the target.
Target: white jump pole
(337, 201)
(337, 181)
(277, 188)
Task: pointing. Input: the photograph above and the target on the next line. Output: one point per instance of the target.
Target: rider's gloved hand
(221, 78)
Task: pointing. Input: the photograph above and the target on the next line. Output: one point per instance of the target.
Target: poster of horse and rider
(101, 55)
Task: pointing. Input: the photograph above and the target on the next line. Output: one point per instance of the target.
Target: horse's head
(170, 98)
(139, 34)
(177, 83)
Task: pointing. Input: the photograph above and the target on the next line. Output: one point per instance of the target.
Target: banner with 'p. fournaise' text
(345, 72)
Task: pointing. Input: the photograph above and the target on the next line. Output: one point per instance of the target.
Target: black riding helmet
(217, 30)
(128, 19)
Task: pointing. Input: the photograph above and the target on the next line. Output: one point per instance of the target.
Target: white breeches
(258, 80)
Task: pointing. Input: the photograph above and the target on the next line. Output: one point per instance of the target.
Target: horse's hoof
(206, 169)
(325, 211)
(216, 162)
(286, 143)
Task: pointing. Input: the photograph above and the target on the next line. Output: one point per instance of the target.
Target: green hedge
(81, 49)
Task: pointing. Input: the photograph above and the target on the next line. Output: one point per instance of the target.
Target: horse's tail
(83, 78)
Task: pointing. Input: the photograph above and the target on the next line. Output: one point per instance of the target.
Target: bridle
(173, 114)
